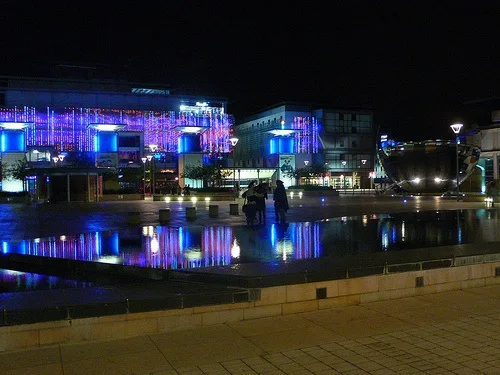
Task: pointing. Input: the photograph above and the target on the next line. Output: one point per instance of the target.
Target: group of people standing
(256, 196)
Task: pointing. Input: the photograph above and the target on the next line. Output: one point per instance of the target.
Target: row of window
(347, 116)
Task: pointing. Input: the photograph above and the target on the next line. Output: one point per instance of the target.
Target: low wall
(265, 302)
(121, 197)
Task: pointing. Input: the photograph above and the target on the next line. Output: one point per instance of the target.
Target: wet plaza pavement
(445, 333)
(18, 221)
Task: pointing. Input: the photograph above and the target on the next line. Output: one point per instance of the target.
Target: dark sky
(414, 66)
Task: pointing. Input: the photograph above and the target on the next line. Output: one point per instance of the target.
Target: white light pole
(234, 142)
(153, 149)
(363, 162)
(306, 163)
(144, 160)
(149, 158)
(456, 129)
(343, 164)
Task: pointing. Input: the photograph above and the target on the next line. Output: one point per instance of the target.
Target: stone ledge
(367, 289)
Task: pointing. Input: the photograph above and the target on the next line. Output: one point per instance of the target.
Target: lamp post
(363, 163)
(144, 160)
(234, 142)
(456, 129)
(153, 149)
(306, 163)
(149, 158)
(344, 164)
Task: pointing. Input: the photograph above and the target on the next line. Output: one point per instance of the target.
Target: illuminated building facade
(293, 136)
(101, 125)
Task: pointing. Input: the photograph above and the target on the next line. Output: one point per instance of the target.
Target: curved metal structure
(427, 166)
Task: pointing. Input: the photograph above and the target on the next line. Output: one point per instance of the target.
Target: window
(353, 130)
(353, 117)
(134, 141)
(341, 143)
(341, 116)
(354, 144)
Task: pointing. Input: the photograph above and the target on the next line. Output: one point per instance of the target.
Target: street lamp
(144, 160)
(153, 149)
(149, 158)
(344, 164)
(456, 129)
(363, 162)
(234, 142)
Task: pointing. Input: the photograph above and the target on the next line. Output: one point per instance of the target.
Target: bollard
(190, 213)
(134, 218)
(233, 209)
(164, 215)
(213, 210)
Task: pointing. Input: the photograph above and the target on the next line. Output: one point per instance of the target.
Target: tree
(18, 171)
(210, 174)
(312, 171)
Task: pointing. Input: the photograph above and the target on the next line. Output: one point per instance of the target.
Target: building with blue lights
(290, 136)
(72, 133)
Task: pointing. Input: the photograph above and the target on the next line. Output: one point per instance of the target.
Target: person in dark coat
(251, 196)
(280, 202)
(261, 197)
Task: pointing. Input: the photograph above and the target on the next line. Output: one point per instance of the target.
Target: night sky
(413, 66)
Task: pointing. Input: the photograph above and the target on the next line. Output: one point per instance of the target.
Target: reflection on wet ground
(165, 247)
(15, 281)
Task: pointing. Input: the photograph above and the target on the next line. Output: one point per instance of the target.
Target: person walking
(280, 202)
(261, 198)
(251, 196)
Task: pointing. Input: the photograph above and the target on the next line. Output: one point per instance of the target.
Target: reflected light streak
(365, 220)
(235, 250)
(155, 246)
(188, 247)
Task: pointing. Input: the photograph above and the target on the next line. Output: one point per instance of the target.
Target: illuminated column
(13, 150)
(106, 144)
(190, 153)
(282, 152)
